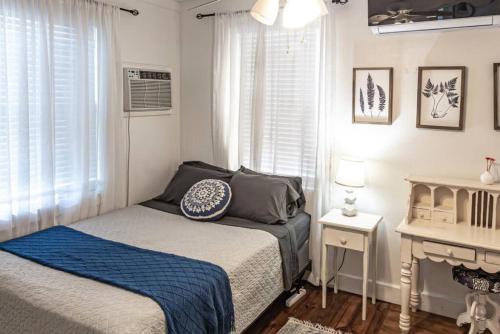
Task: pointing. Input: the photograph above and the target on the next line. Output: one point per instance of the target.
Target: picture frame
(372, 95)
(496, 96)
(441, 97)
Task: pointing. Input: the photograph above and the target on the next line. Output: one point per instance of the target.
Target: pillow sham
(207, 200)
(296, 200)
(204, 165)
(185, 178)
(259, 198)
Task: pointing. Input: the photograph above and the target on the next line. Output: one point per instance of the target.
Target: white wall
(153, 38)
(393, 151)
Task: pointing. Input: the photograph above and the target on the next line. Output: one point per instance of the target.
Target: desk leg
(415, 294)
(404, 317)
(374, 267)
(366, 259)
(323, 272)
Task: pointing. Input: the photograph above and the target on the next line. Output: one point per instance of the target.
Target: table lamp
(351, 174)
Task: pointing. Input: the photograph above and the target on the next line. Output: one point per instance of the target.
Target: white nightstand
(357, 233)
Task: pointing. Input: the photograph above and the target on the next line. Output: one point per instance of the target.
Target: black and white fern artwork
(444, 96)
(372, 95)
(381, 99)
(440, 97)
(370, 92)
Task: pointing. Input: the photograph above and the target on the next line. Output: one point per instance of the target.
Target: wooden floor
(344, 312)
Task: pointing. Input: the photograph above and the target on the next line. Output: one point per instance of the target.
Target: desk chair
(482, 311)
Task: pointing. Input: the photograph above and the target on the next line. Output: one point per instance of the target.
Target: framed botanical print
(441, 97)
(496, 95)
(372, 95)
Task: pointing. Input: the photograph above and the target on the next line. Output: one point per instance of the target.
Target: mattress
(292, 237)
(37, 299)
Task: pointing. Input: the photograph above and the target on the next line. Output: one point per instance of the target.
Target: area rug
(295, 326)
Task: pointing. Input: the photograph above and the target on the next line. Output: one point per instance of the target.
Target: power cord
(339, 268)
(128, 158)
(343, 259)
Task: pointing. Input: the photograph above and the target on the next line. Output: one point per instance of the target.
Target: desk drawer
(493, 258)
(443, 217)
(419, 213)
(344, 239)
(454, 252)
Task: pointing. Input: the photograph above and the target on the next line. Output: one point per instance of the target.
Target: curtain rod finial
(134, 12)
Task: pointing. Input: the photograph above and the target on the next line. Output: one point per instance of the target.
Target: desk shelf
(452, 201)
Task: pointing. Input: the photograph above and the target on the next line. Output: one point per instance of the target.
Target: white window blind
(279, 100)
(40, 120)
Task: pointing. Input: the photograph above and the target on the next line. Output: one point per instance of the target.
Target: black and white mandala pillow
(207, 200)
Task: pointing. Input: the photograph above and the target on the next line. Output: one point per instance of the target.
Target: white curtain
(273, 93)
(60, 126)
(230, 30)
(323, 190)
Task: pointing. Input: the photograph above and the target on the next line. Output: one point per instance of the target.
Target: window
(279, 101)
(48, 146)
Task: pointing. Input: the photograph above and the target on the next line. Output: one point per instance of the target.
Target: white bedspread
(37, 299)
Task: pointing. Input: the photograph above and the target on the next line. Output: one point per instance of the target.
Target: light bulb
(299, 13)
(266, 11)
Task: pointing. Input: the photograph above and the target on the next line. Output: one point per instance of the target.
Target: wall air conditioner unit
(147, 90)
(472, 22)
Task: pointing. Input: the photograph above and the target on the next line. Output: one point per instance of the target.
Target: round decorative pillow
(207, 200)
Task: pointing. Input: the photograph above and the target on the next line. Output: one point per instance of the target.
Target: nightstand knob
(343, 241)
(449, 252)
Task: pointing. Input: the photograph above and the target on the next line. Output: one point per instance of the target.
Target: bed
(37, 299)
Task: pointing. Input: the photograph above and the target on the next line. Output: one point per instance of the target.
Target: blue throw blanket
(194, 295)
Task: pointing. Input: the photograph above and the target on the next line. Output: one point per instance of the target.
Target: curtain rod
(134, 12)
(200, 16)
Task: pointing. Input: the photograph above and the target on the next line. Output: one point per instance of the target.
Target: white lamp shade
(266, 11)
(299, 13)
(351, 173)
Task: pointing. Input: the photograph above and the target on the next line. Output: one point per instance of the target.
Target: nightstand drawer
(454, 252)
(344, 239)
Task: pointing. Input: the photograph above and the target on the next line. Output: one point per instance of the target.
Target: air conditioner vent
(147, 90)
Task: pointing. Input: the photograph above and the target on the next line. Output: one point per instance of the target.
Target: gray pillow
(296, 200)
(259, 198)
(185, 178)
(204, 165)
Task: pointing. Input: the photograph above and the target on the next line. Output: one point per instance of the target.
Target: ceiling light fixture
(299, 13)
(266, 11)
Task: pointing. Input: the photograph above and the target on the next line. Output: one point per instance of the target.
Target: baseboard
(433, 303)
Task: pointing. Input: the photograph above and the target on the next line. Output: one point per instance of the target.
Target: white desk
(357, 233)
(441, 242)
(448, 220)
